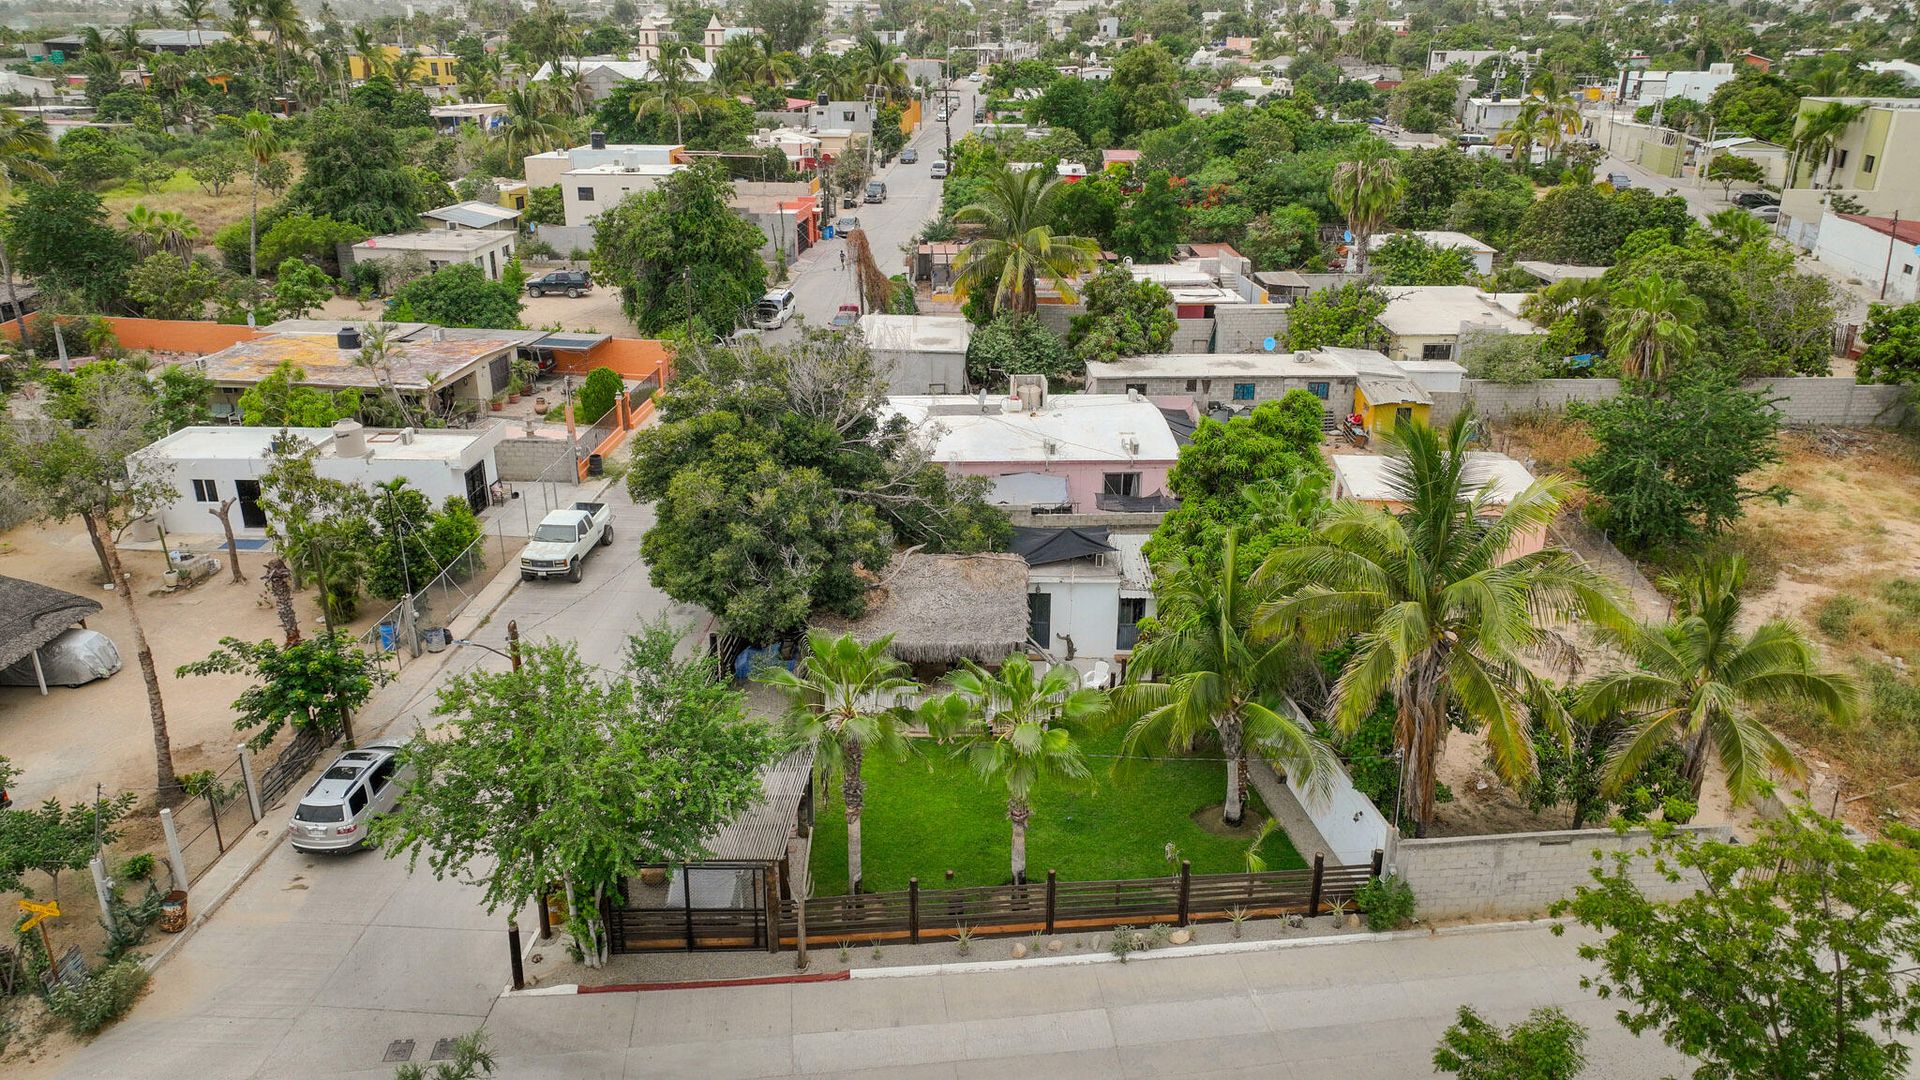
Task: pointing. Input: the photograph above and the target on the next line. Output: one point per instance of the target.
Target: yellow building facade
(432, 69)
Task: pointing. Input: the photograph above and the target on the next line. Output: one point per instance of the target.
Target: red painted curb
(770, 980)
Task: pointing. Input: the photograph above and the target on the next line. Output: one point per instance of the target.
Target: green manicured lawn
(930, 814)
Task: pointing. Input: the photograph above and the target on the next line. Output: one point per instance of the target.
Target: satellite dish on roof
(1270, 344)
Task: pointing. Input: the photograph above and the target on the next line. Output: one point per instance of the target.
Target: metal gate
(708, 906)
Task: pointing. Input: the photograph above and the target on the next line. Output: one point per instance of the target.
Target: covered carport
(32, 615)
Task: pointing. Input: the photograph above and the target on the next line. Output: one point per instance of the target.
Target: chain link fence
(213, 818)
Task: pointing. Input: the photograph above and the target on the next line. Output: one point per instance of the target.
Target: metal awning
(570, 342)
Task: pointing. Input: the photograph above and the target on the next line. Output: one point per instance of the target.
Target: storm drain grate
(442, 1050)
(399, 1050)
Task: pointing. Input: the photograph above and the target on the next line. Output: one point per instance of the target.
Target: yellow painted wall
(910, 116)
(514, 196)
(436, 69)
(1379, 419)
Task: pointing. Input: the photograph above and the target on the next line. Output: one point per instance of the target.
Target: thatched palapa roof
(940, 608)
(32, 615)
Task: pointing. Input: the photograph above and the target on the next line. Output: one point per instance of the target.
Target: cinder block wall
(529, 459)
(1829, 401)
(1521, 874)
(1245, 328)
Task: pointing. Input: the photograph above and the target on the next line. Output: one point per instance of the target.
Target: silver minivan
(359, 786)
(774, 309)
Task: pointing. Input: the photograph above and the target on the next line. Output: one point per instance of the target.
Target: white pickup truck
(563, 540)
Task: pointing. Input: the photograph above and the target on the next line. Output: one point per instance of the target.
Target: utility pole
(513, 643)
(1892, 238)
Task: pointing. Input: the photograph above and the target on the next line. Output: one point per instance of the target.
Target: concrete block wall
(1246, 328)
(1829, 401)
(528, 459)
(1521, 874)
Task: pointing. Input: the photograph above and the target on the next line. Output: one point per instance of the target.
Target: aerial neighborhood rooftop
(610, 538)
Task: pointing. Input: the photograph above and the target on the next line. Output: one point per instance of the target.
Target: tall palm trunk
(276, 576)
(1694, 766)
(13, 297)
(166, 784)
(253, 241)
(1019, 813)
(1420, 730)
(1233, 739)
(853, 792)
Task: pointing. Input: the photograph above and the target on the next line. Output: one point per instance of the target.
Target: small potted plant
(514, 387)
(498, 401)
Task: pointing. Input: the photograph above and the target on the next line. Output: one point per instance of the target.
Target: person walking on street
(843, 258)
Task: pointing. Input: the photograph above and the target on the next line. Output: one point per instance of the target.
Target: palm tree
(406, 69)
(194, 12)
(25, 147)
(1737, 228)
(161, 230)
(838, 708)
(1439, 615)
(1366, 188)
(528, 127)
(260, 141)
(1579, 297)
(671, 90)
(1650, 322)
(770, 66)
(1819, 132)
(480, 78)
(1208, 672)
(372, 53)
(1018, 725)
(873, 66)
(285, 29)
(1530, 127)
(1696, 677)
(1017, 243)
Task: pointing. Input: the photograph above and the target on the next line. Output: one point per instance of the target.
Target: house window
(433, 69)
(205, 491)
(847, 115)
(584, 194)
(1132, 610)
(1192, 385)
(1243, 391)
(1432, 351)
(1866, 163)
(1040, 618)
(1402, 415)
(519, 202)
(1137, 388)
(1318, 389)
(1121, 483)
(1839, 159)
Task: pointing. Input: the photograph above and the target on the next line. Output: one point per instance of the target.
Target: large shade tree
(1697, 679)
(840, 705)
(1207, 673)
(1439, 615)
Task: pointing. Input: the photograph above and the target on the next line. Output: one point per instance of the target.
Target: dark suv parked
(1753, 200)
(572, 282)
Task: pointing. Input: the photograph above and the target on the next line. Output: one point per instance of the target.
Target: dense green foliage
(1124, 317)
(357, 173)
(597, 393)
(1892, 340)
(1344, 316)
(650, 245)
(1547, 1045)
(1018, 344)
(458, 295)
(314, 684)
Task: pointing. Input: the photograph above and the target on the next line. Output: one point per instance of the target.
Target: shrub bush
(597, 394)
(1835, 617)
(1388, 902)
(102, 999)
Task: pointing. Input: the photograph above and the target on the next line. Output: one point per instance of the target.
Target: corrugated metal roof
(760, 833)
(1029, 489)
(473, 214)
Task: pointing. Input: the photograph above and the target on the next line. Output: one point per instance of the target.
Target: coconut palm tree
(25, 147)
(286, 30)
(838, 708)
(1530, 127)
(261, 142)
(770, 66)
(873, 66)
(161, 230)
(1736, 228)
(372, 53)
(1018, 724)
(1819, 132)
(1366, 188)
(528, 126)
(1017, 244)
(479, 78)
(1209, 673)
(1439, 616)
(195, 12)
(1696, 678)
(671, 90)
(1650, 323)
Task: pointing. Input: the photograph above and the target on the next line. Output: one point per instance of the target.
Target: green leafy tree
(1406, 259)
(1585, 225)
(1346, 316)
(162, 286)
(50, 837)
(1261, 474)
(314, 239)
(1575, 775)
(836, 707)
(544, 207)
(300, 287)
(1145, 91)
(651, 242)
(602, 385)
(213, 170)
(1665, 478)
(282, 400)
(1761, 104)
(1124, 317)
(322, 527)
(1650, 326)
(1441, 614)
(357, 172)
(1153, 221)
(1730, 169)
(457, 295)
(1017, 244)
(59, 237)
(1208, 673)
(1697, 678)
(1892, 340)
(24, 151)
(1284, 238)
(558, 771)
(260, 143)
(91, 156)
(314, 684)
(1547, 1045)
(1017, 725)
(1018, 344)
(788, 24)
(1790, 958)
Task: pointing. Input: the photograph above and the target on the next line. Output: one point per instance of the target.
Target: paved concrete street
(913, 196)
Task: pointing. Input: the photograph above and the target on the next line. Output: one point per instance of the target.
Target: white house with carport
(204, 466)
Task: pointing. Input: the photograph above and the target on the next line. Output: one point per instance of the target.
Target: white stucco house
(1087, 590)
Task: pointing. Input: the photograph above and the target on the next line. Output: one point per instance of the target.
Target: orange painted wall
(165, 335)
(631, 358)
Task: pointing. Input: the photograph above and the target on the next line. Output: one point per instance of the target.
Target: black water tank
(598, 140)
(596, 465)
(822, 99)
(348, 338)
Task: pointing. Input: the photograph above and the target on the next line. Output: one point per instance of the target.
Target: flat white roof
(246, 443)
(1280, 364)
(1364, 476)
(1436, 367)
(917, 333)
(1069, 427)
(645, 168)
(436, 240)
(1440, 238)
(1441, 310)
